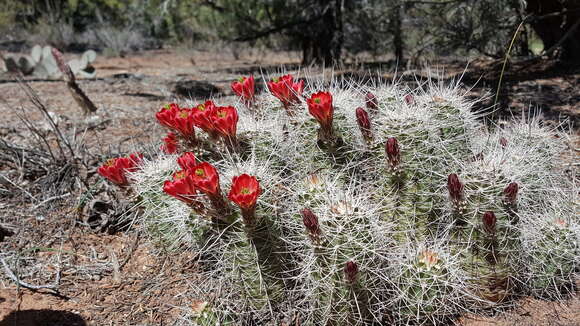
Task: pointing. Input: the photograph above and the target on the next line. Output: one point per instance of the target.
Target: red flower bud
(489, 221)
(171, 144)
(362, 118)
(320, 107)
(409, 99)
(455, 188)
(393, 152)
(351, 272)
(364, 124)
(511, 193)
(245, 191)
(244, 88)
(503, 142)
(310, 222)
(225, 120)
(187, 161)
(205, 177)
(371, 102)
(115, 169)
(286, 90)
(181, 187)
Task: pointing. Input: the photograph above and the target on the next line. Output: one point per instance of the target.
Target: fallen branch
(23, 284)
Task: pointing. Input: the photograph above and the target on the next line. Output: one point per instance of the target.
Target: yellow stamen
(179, 175)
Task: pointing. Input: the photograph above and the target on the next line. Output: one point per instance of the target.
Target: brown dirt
(120, 279)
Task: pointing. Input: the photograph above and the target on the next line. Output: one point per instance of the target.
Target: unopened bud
(455, 188)
(409, 99)
(393, 152)
(489, 220)
(350, 272)
(503, 142)
(511, 193)
(371, 102)
(362, 118)
(310, 222)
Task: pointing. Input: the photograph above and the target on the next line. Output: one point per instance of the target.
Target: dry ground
(121, 279)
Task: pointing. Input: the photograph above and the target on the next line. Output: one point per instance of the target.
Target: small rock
(4, 233)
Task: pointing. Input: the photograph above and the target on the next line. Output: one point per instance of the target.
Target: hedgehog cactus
(307, 208)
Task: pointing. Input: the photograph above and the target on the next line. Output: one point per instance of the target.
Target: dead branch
(77, 93)
(23, 284)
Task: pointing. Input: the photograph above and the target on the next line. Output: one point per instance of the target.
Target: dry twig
(77, 93)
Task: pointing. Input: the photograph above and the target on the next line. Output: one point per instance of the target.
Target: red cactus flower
(166, 114)
(183, 122)
(181, 187)
(286, 90)
(178, 119)
(245, 191)
(409, 99)
(310, 222)
(371, 102)
(171, 144)
(511, 193)
(187, 161)
(503, 142)
(489, 220)
(393, 152)
(115, 169)
(455, 188)
(225, 120)
(206, 179)
(321, 108)
(244, 88)
(201, 116)
(351, 272)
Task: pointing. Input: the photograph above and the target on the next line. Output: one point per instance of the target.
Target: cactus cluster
(375, 205)
(42, 64)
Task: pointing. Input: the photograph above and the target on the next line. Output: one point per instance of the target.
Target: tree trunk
(396, 28)
(323, 45)
(563, 20)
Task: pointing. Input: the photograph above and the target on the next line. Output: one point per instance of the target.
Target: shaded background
(324, 31)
